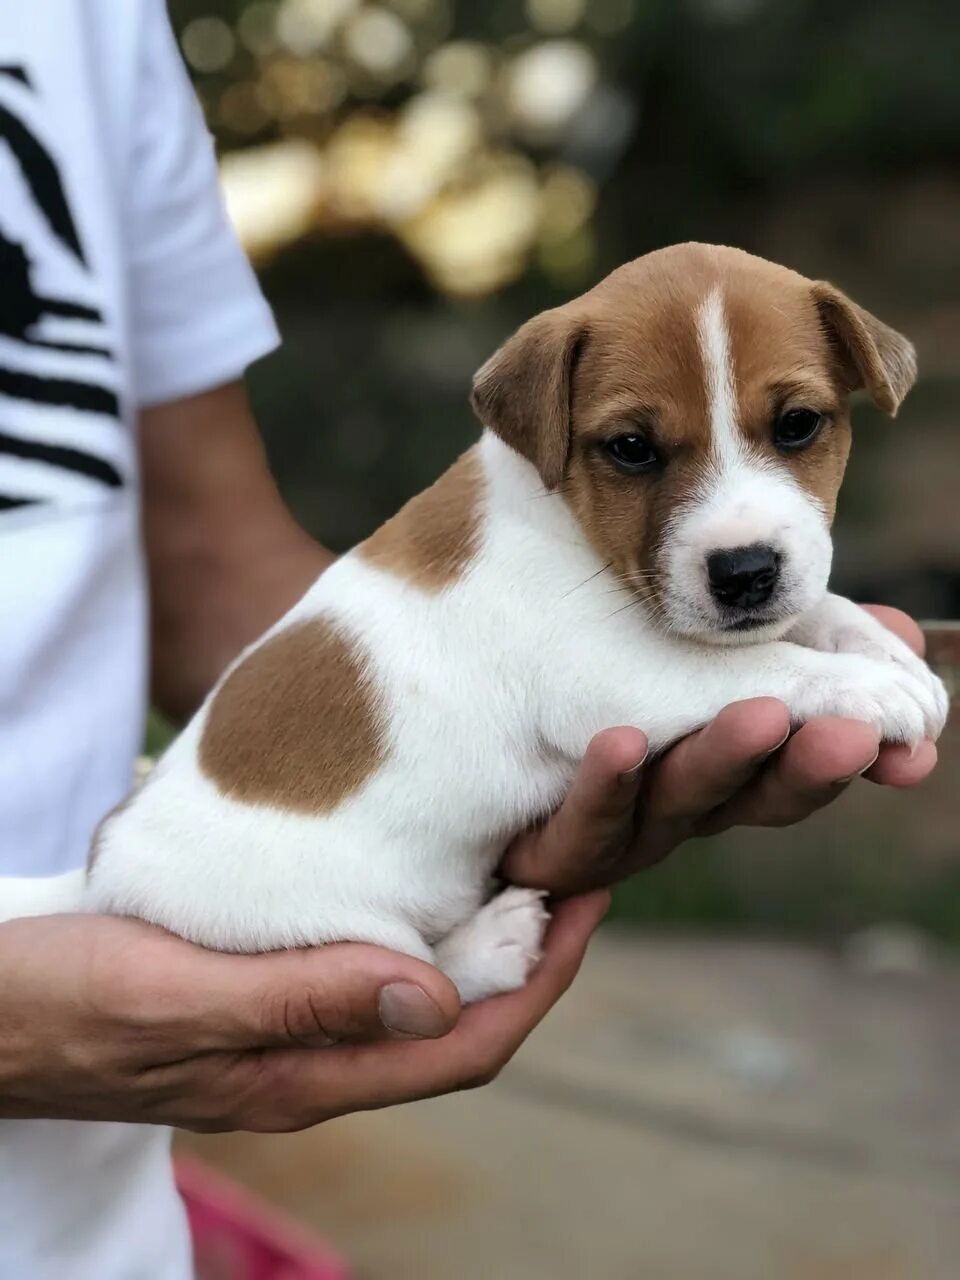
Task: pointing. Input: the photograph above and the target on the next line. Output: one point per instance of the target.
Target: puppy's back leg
(41, 895)
(496, 949)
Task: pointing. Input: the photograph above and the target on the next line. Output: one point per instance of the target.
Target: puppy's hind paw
(497, 949)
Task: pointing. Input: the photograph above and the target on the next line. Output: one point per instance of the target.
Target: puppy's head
(692, 409)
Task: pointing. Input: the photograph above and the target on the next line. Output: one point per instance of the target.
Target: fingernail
(630, 775)
(842, 782)
(765, 755)
(407, 1009)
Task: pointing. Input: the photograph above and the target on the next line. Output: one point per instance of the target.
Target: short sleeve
(198, 317)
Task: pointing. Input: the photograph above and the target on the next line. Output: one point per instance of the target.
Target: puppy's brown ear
(523, 391)
(878, 358)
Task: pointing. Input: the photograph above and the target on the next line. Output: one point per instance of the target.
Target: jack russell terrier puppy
(640, 536)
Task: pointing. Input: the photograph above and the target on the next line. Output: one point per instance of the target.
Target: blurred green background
(415, 178)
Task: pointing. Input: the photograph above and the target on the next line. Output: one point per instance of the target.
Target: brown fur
(873, 355)
(627, 354)
(434, 537)
(783, 359)
(523, 391)
(641, 366)
(298, 724)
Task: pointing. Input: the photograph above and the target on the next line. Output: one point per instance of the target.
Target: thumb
(320, 996)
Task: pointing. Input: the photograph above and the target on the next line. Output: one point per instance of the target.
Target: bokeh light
(463, 67)
(304, 26)
(554, 17)
(403, 126)
(208, 44)
(257, 27)
(273, 193)
(379, 42)
(548, 84)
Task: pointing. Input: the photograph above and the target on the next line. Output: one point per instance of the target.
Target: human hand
(741, 769)
(111, 1019)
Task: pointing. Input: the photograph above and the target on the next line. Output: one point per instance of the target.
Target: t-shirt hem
(199, 362)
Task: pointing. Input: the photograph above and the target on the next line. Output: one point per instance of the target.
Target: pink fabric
(237, 1237)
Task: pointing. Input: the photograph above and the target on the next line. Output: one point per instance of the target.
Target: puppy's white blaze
(714, 339)
(743, 498)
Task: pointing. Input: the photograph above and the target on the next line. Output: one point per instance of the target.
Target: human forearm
(141, 1026)
(225, 557)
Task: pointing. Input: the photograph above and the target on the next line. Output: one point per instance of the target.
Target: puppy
(640, 536)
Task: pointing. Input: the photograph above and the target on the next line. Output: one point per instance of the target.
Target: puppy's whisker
(559, 492)
(603, 569)
(649, 602)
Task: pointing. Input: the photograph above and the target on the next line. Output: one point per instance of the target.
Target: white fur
(492, 689)
(744, 499)
(725, 438)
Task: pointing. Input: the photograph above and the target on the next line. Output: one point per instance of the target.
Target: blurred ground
(693, 1109)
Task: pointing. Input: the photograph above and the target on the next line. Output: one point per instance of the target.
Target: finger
(901, 624)
(902, 766)
(294, 1090)
(702, 772)
(812, 769)
(585, 838)
(316, 996)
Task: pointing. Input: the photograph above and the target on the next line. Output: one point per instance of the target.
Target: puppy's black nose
(744, 577)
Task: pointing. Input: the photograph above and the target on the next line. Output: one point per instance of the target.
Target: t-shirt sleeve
(198, 318)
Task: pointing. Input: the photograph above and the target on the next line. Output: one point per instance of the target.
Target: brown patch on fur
(297, 725)
(523, 391)
(874, 356)
(641, 369)
(782, 359)
(431, 540)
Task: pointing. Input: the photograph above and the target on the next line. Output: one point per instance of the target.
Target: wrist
(16, 1066)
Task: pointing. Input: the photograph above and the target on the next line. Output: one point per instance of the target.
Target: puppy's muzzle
(744, 577)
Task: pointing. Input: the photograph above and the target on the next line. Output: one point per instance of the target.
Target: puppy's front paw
(884, 694)
(841, 627)
(497, 949)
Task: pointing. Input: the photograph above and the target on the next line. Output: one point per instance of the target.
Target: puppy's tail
(41, 895)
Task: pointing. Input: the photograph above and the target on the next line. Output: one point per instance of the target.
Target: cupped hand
(112, 1019)
(744, 768)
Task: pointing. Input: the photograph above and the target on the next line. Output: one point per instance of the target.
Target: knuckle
(299, 1016)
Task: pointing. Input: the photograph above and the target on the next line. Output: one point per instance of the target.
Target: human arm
(140, 1026)
(225, 557)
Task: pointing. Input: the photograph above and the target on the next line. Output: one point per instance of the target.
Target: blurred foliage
(414, 178)
(725, 96)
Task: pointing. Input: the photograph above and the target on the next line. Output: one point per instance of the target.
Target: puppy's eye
(797, 428)
(632, 453)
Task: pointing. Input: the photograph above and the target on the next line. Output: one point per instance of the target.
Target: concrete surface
(694, 1110)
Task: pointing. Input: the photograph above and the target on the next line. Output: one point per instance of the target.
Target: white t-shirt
(121, 285)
